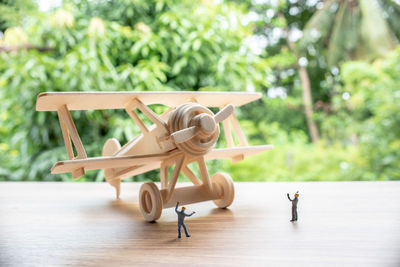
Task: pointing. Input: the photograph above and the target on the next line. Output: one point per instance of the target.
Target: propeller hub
(194, 128)
(195, 125)
(206, 123)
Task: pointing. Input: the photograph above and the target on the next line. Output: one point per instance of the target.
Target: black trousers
(294, 213)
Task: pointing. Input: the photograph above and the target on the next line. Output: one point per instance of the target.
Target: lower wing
(107, 162)
(147, 163)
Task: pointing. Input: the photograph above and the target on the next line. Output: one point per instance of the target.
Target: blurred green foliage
(372, 111)
(13, 11)
(350, 147)
(295, 159)
(112, 46)
(200, 46)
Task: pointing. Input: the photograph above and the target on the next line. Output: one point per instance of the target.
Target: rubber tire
(150, 202)
(223, 184)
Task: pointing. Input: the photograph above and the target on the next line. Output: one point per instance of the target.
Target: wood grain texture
(80, 224)
(51, 101)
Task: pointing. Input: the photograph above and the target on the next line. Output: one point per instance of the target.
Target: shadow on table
(224, 212)
(130, 209)
(131, 235)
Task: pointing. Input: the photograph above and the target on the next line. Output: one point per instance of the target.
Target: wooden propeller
(203, 124)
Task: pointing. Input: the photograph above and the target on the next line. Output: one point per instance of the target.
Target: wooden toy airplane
(185, 133)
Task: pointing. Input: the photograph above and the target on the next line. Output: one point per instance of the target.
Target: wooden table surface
(80, 224)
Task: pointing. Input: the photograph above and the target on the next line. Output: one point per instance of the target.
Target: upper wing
(236, 152)
(52, 101)
(107, 162)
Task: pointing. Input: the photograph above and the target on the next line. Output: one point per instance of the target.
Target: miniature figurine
(294, 206)
(181, 218)
(186, 133)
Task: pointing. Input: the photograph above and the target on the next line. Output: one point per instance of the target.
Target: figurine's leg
(179, 230)
(295, 213)
(186, 231)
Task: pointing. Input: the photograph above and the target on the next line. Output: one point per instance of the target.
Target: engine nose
(205, 122)
(194, 128)
(198, 128)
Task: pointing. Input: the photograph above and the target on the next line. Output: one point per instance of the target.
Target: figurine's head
(183, 208)
(296, 194)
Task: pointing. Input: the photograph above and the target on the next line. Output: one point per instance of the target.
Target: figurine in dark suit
(181, 218)
(294, 205)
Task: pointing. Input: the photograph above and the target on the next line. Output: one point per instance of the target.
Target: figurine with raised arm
(181, 218)
(294, 205)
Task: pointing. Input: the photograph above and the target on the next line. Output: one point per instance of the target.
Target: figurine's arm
(289, 197)
(176, 208)
(190, 214)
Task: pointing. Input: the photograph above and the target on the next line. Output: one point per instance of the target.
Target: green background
(348, 129)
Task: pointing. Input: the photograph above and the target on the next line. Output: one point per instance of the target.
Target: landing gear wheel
(222, 183)
(150, 202)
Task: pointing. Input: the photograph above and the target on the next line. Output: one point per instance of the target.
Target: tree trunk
(307, 102)
(306, 90)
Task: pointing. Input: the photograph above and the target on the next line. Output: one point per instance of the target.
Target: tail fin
(110, 147)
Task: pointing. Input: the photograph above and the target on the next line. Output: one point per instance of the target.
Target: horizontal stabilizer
(223, 153)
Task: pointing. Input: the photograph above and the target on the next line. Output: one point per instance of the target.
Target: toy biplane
(186, 133)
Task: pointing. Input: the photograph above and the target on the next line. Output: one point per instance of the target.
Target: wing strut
(70, 133)
(232, 124)
(169, 186)
(135, 103)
